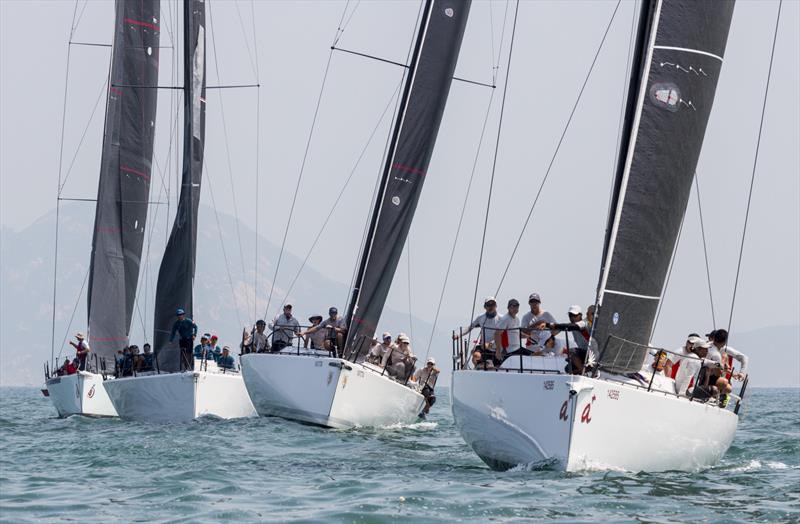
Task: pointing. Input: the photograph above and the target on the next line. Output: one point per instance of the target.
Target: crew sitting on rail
(426, 381)
(256, 341)
(381, 350)
(315, 340)
(722, 353)
(507, 335)
(204, 350)
(334, 328)
(685, 367)
(126, 369)
(400, 362)
(68, 368)
(533, 323)
(284, 327)
(479, 363)
(225, 360)
(487, 322)
(147, 359)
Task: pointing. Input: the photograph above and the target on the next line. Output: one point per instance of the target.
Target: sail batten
(176, 274)
(683, 59)
(124, 185)
(422, 105)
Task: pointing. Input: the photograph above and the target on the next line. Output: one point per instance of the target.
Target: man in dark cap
(187, 331)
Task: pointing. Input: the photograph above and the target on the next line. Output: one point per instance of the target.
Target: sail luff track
(125, 172)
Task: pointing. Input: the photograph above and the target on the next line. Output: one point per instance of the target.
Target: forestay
(429, 76)
(125, 172)
(681, 61)
(176, 275)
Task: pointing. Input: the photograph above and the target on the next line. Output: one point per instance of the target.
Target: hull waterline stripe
(634, 295)
(688, 50)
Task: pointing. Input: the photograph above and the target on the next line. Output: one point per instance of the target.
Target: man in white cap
(381, 349)
(535, 321)
(81, 350)
(426, 382)
(688, 364)
(585, 353)
(399, 362)
(487, 322)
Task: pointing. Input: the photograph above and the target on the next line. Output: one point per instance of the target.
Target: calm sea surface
(87, 470)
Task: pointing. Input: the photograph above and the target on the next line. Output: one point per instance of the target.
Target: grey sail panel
(124, 184)
(430, 74)
(176, 274)
(674, 102)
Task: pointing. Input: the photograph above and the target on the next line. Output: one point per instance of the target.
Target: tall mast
(427, 85)
(176, 274)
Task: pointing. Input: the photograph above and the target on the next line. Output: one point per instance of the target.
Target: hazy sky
(554, 46)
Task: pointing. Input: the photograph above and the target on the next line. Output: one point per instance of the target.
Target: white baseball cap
(386, 335)
(402, 337)
(489, 299)
(575, 310)
(432, 360)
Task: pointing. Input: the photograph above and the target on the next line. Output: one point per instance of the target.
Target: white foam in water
(757, 464)
(419, 426)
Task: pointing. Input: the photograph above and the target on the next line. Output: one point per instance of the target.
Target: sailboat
(180, 391)
(121, 211)
(344, 390)
(622, 414)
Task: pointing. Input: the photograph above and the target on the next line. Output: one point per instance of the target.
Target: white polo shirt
(511, 325)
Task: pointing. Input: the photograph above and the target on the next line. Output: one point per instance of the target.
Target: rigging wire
(228, 153)
(458, 228)
(755, 164)
(58, 192)
(494, 159)
(72, 316)
(222, 244)
(339, 31)
(495, 68)
(558, 147)
(341, 192)
(258, 157)
(377, 186)
(705, 250)
(83, 136)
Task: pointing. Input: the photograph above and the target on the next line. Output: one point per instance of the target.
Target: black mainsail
(679, 68)
(422, 104)
(176, 274)
(126, 168)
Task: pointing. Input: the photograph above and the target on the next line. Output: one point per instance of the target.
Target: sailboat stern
(82, 393)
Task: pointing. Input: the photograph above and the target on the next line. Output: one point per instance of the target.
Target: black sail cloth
(176, 274)
(674, 103)
(430, 75)
(125, 172)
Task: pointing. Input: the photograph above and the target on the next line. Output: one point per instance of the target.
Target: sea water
(268, 469)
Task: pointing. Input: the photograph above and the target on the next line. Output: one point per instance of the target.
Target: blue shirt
(148, 361)
(198, 352)
(186, 328)
(226, 362)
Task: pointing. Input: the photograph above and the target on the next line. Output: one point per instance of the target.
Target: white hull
(180, 397)
(575, 422)
(327, 391)
(82, 393)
